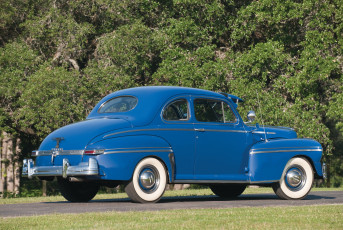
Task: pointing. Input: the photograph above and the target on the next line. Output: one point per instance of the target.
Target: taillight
(94, 152)
(34, 153)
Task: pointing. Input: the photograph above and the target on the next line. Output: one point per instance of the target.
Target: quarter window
(208, 110)
(176, 111)
(118, 104)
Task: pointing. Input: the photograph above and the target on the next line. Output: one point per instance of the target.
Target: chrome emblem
(58, 140)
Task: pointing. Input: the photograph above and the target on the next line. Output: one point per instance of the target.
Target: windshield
(118, 105)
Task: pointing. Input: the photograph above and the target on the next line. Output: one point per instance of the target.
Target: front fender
(122, 154)
(267, 160)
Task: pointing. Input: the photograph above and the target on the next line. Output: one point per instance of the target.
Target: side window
(176, 111)
(208, 110)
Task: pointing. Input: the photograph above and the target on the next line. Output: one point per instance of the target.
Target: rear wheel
(148, 182)
(228, 190)
(77, 191)
(296, 181)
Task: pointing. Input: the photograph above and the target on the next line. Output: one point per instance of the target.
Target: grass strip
(304, 217)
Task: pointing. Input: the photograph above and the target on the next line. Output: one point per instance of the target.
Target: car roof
(150, 100)
(163, 91)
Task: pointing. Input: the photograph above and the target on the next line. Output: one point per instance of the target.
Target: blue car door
(221, 142)
(178, 130)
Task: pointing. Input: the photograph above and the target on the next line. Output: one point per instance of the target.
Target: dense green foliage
(59, 57)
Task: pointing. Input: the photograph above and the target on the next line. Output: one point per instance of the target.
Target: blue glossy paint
(268, 159)
(203, 151)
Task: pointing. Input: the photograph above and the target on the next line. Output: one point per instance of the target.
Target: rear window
(118, 105)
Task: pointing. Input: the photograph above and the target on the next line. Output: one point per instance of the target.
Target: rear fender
(122, 154)
(267, 160)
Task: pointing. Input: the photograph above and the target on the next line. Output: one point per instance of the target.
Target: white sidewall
(309, 179)
(163, 179)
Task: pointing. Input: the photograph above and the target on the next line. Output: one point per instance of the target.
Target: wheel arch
(167, 167)
(267, 160)
(310, 160)
(123, 153)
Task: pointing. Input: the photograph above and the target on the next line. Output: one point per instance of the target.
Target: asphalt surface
(191, 202)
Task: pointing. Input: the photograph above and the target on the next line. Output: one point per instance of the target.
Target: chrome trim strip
(211, 181)
(303, 147)
(158, 129)
(107, 151)
(142, 130)
(221, 182)
(139, 148)
(283, 151)
(262, 132)
(263, 181)
(62, 152)
(139, 151)
(224, 131)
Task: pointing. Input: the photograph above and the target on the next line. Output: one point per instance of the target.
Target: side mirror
(251, 116)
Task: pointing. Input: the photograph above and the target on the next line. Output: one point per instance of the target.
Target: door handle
(200, 130)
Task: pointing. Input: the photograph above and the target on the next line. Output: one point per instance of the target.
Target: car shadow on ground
(244, 197)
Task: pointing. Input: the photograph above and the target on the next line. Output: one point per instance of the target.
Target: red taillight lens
(94, 151)
(34, 153)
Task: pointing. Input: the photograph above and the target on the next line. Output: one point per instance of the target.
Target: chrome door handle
(200, 130)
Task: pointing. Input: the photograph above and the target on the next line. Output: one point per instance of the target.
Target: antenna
(259, 107)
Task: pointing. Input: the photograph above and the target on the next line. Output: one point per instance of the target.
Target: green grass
(305, 217)
(186, 192)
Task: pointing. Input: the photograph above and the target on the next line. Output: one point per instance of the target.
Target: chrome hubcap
(149, 179)
(295, 178)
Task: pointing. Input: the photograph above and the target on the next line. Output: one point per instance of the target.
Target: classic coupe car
(147, 137)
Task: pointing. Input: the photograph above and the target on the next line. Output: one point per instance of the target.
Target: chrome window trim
(137, 101)
(217, 99)
(177, 121)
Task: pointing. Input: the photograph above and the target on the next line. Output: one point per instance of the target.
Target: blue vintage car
(148, 137)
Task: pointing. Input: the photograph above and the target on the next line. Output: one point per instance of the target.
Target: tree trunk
(9, 167)
(17, 167)
(4, 144)
(1, 180)
(44, 187)
(9, 171)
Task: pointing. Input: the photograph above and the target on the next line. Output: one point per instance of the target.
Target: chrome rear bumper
(89, 168)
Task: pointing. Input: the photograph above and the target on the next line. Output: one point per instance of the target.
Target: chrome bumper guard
(324, 171)
(89, 168)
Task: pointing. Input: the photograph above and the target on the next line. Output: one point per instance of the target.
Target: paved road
(122, 205)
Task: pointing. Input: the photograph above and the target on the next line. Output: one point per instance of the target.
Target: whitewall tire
(296, 181)
(148, 182)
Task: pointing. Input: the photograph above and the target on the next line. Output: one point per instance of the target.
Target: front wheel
(296, 181)
(148, 182)
(77, 191)
(228, 190)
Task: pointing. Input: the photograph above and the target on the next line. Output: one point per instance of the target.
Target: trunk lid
(76, 136)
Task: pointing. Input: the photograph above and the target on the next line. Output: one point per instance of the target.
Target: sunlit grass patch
(304, 217)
